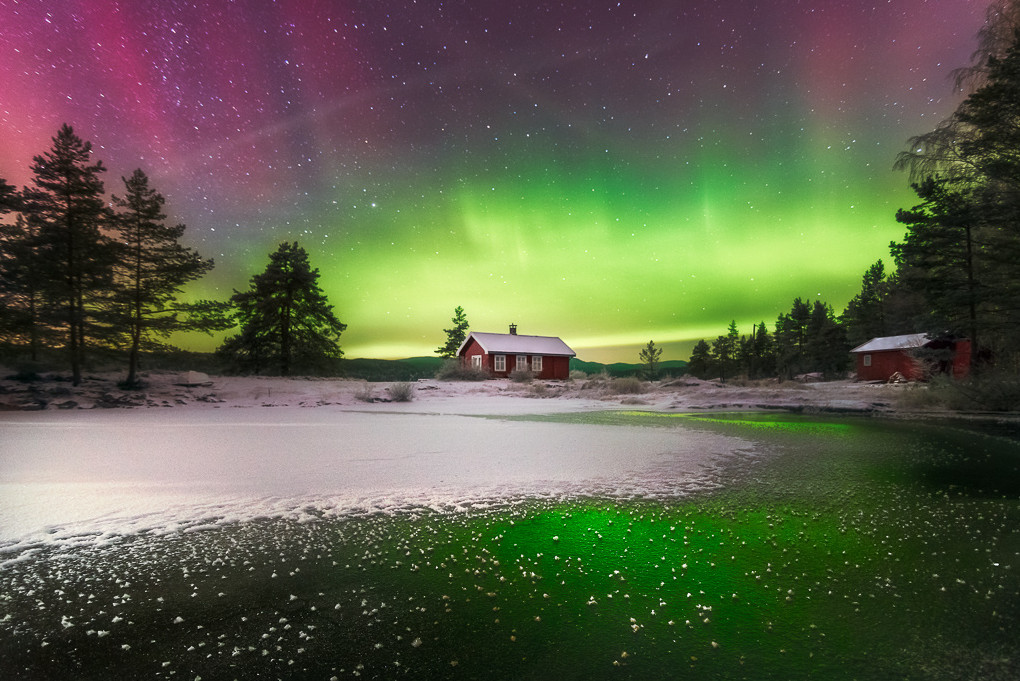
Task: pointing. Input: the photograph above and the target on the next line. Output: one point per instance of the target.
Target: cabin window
(522, 363)
(476, 361)
(536, 364)
(499, 362)
(867, 360)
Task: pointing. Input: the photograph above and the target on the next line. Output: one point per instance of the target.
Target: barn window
(536, 364)
(522, 363)
(867, 360)
(499, 362)
(476, 361)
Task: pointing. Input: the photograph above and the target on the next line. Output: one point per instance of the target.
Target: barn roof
(511, 344)
(905, 342)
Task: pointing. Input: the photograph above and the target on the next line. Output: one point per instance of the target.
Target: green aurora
(609, 174)
(605, 259)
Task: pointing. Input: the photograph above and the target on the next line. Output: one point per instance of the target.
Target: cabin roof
(511, 344)
(905, 342)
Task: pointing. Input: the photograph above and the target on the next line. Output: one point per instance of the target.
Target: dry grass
(401, 392)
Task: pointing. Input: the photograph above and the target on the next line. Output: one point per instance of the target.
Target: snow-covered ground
(70, 477)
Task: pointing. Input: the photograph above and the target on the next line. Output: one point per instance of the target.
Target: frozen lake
(81, 477)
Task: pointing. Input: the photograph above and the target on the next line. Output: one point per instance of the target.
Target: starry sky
(608, 172)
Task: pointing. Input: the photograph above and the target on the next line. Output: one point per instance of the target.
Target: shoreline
(163, 390)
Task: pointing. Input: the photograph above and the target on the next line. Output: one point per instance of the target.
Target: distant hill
(409, 369)
(673, 367)
(413, 368)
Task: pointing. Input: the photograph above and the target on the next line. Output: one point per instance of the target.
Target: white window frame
(867, 360)
(522, 363)
(476, 361)
(536, 364)
(499, 362)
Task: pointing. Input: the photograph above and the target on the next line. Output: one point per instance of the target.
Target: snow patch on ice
(94, 478)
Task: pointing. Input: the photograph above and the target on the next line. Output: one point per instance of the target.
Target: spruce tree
(75, 256)
(724, 352)
(151, 268)
(649, 356)
(286, 321)
(700, 363)
(21, 268)
(962, 244)
(825, 346)
(789, 339)
(454, 336)
(864, 315)
(8, 197)
(940, 257)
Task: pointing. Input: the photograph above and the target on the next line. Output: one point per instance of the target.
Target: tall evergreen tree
(963, 242)
(791, 330)
(68, 204)
(15, 301)
(700, 363)
(455, 335)
(151, 268)
(649, 356)
(8, 197)
(286, 320)
(758, 353)
(21, 271)
(724, 352)
(825, 346)
(939, 257)
(865, 315)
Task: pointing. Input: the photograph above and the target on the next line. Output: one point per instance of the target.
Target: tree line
(956, 272)
(82, 274)
(810, 338)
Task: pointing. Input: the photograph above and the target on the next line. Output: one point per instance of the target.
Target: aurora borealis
(608, 172)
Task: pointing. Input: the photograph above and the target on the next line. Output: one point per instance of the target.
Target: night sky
(608, 172)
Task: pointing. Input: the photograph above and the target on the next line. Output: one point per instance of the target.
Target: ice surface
(87, 476)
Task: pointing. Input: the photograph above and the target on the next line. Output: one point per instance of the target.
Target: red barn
(501, 353)
(914, 356)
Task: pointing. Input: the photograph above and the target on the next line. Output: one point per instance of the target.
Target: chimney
(513, 329)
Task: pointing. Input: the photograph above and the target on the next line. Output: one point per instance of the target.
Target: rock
(193, 378)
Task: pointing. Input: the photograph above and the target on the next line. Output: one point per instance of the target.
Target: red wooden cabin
(880, 358)
(501, 353)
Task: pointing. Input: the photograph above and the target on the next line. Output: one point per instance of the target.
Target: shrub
(455, 370)
(401, 392)
(521, 376)
(627, 386)
(577, 375)
(364, 393)
(987, 392)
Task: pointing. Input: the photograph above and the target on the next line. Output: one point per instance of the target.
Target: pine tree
(68, 204)
(962, 244)
(789, 338)
(724, 352)
(649, 356)
(759, 353)
(865, 315)
(286, 320)
(8, 197)
(21, 269)
(940, 257)
(825, 347)
(151, 268)
(700, 363)
(454, 336)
